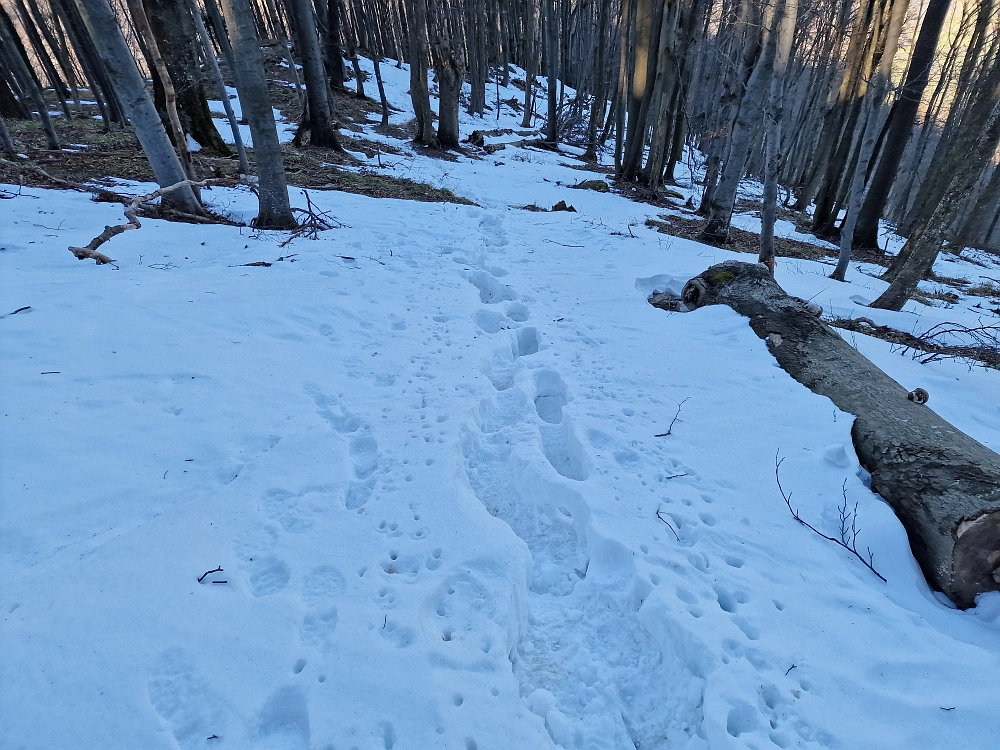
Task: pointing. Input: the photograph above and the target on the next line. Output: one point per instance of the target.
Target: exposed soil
(99, 156)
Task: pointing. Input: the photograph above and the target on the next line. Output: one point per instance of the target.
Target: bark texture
(943, 485)
(138, 106)
(275, 210)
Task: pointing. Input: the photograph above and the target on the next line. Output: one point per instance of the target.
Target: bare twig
(848, 523)
(669, 525)
(315, 221)
(207, 573)
(673, 421)
(944, 341)
(20, 309)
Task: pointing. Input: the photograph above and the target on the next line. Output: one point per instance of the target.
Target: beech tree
(275, 211)
(128, 82)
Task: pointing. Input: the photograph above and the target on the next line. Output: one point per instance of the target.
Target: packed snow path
(428, 453)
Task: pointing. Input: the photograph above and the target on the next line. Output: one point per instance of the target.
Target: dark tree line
(848, 111)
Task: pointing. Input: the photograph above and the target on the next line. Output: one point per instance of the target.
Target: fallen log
(943, 485)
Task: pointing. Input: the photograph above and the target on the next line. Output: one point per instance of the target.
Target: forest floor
(442, 477)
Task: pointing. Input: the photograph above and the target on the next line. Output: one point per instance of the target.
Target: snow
(423, 450)
(286, 130)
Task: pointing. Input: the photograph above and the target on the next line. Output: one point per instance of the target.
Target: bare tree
(275, 211)
(131, 89)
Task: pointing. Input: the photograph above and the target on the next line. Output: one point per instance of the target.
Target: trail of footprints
(572, 627)
(575, 623)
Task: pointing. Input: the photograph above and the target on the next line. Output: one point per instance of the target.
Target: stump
(943, 485)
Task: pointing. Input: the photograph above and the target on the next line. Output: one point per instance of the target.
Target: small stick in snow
(20, 309)
(677, 414)
(669, 526)
(207, 573)
(790, 669)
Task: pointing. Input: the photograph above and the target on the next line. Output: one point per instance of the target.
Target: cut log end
(976, 562)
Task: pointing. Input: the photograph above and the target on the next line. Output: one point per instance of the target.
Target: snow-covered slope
(427, 451)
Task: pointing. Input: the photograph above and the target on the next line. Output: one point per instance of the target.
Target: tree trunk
(901, 126)
(530, 60)
(7, 147)
(551, 71)
(943, 485)
(600, 77)
(334, 52)
(26, 78)
(416, 21)
(138, 105)
(377, 62)
(351, 37)
(177, 42)
(868, 134)
(220, 86)
(320, 116)
(449, 65)
(785, 18)
(275, 211)
(972, 146)
(928, 239)
(748, 120)
(145, 32)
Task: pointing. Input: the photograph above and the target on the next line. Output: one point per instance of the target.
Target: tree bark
(145, 32)
(275, 211)
(177, 42)
(868, 133)
(334, 52)
(787, 13)
(600, 77)
(929, 238)
(7, 147)
(551, 71)
(26, 78)
(748, 120)
(138, 106)
(220, 86)
(449, 65)
(320, 115)
(416, 21)
(943, 485)
(901, 126)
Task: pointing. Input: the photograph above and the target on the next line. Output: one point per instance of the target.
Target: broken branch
(90, 251)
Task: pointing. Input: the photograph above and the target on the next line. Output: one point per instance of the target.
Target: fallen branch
(673, 421)
(979, 344)
(315, 221)
(90, 251)
(207, 573)
(669, 525)
(848, 523)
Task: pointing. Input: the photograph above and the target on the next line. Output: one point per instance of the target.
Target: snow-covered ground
(427, 453)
